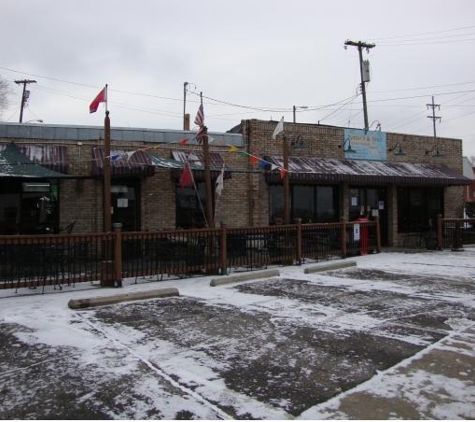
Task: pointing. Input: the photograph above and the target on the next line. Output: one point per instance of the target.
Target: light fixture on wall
(378, 126)
(435, 150)
(347, 146)
(399, 152)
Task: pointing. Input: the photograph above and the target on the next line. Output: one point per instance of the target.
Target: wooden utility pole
(185, 84)
(434, 119)
(360, 45)
(24, 82)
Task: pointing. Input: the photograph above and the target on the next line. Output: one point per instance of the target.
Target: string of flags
(186, 178)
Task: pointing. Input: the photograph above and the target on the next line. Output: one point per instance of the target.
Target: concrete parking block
(337, 265)
(127, 297)
(253, 275)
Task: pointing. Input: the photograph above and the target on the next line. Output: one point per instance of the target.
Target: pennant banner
(279, 128)
(186, 178)
(220, 182)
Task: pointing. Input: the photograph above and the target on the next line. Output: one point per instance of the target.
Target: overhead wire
(340, 105)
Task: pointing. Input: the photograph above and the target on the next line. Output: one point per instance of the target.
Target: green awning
(15, 164)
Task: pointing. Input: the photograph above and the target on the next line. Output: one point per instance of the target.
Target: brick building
(335, 173)
(469, 172)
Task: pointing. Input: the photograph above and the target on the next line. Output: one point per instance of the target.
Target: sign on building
(360, 144)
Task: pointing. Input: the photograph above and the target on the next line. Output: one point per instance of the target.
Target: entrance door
(125, 201)
(371, 203)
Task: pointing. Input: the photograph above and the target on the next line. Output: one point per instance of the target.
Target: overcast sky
(261, 57)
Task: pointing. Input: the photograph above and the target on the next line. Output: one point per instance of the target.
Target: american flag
(200, 116)
(201, 134)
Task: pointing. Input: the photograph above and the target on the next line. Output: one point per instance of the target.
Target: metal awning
(53, 157)
(123, 163)
(15, 164)
(195, 159)
(327, 170)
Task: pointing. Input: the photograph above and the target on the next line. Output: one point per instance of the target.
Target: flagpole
(209, 193)
(286, 182)
(107, 171)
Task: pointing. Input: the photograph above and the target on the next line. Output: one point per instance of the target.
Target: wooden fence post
(298, 257)
(223, 249)
(378, 235)
(343, 237)
(117, 254)
(440, 239)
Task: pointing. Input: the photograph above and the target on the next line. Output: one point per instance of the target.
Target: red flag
(184, 141)
(186, 178)
(283, 173)
(101, 98)
(253, 159)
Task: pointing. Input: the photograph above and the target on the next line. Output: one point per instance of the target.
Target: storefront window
(327, 204)
(190, 207)
(303, 203)
(313, 204)
(28, 207)
(418, 208)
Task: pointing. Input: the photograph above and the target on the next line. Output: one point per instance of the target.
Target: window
(28, 208)
(190, 206)
(418, 208)
(313, 204)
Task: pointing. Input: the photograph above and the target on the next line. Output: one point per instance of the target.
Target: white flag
(279, 128)
(220, 182)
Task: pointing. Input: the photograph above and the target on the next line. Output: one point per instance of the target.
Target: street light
(295, 109)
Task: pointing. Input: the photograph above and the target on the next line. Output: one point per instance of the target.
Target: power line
(424, 33)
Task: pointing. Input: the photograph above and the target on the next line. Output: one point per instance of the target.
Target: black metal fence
(58, 260)
(55, 260)
(454, 233)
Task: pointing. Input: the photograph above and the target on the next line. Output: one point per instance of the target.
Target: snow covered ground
(393, 337)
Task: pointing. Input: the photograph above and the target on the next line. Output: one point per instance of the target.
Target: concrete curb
(227, 279)
(101, 301)
(330, 266)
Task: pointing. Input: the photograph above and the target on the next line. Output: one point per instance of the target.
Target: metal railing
(53, 260)
(58, 260)
(454, 233)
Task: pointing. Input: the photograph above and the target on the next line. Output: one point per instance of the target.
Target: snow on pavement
(300, 345)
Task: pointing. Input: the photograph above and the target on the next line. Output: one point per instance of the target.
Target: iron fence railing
(39, 261)
(454, 233)
(58, 260)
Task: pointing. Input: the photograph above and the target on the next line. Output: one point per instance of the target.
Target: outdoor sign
(360, 144)
(356, 232)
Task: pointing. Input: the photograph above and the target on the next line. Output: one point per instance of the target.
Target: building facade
(334, 173)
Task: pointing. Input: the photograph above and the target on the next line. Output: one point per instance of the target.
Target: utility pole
(360, 45)
(24, 97)
(185, 84)
(434, 118)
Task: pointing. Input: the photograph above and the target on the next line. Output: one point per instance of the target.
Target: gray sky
(267, 55)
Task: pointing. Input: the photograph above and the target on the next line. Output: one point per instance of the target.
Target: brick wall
(310, 140)
(245, 197)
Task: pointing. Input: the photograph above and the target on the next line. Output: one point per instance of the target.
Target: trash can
(364, 236)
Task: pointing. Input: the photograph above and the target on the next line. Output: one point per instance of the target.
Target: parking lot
(392, 337)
